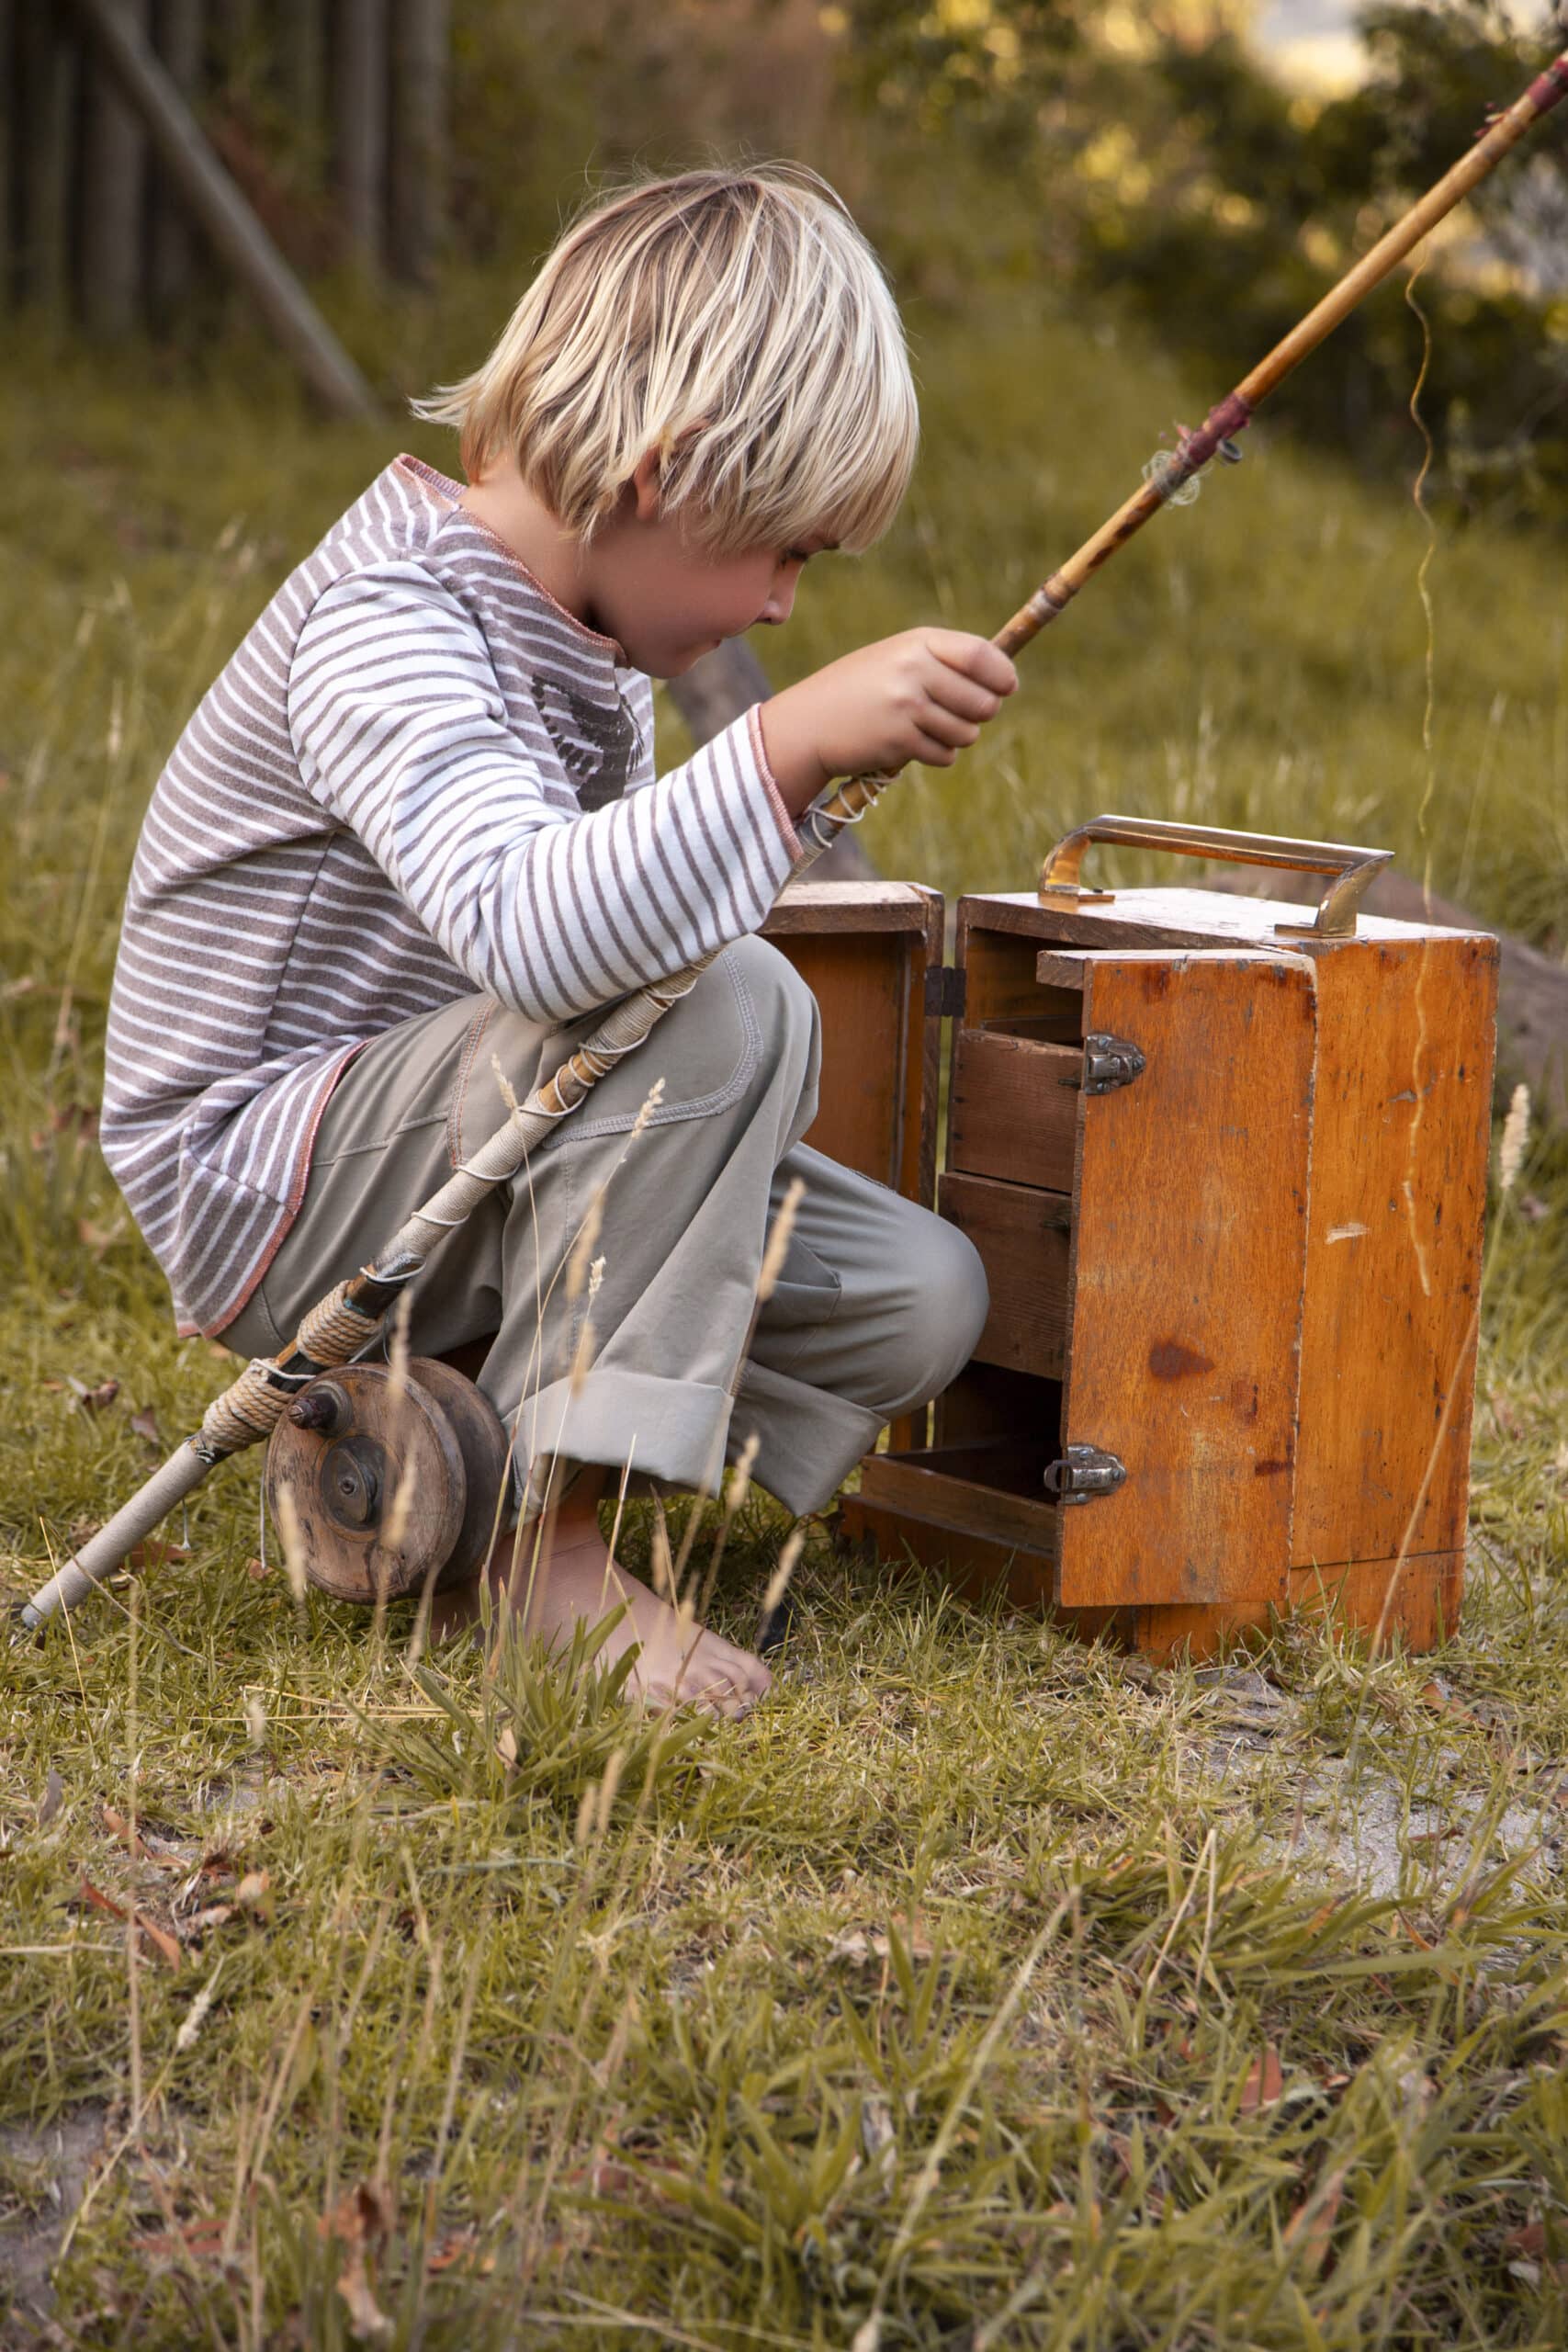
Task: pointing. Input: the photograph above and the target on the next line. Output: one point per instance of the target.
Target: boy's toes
(720, 1691)
(747, 1677)
(717, 1695)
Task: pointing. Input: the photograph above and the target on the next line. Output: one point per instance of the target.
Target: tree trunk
(114, 190)
(301, 71)
(47, 70)
(10, 44)
(417, 162)
(178, 32)
(359, 123)
(228, 219)
(234, 25)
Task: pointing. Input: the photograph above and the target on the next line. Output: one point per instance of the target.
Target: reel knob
(389, 1489)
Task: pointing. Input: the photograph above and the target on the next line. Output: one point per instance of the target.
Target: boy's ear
(647, 486)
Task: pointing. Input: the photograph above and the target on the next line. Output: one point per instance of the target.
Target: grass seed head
(1514, 1139)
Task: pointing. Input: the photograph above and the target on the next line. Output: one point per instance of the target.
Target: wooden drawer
(1024, 1236)
(1014, 1111)
(994, 1490)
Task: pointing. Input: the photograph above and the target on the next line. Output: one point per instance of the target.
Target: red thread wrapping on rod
(1232, 414)
(1549, 87)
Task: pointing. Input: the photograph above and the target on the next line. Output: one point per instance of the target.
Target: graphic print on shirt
(598, 744)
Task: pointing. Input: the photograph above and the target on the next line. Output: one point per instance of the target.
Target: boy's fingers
(931, 752)
(951, 690)
(974, 657)
(948, 728)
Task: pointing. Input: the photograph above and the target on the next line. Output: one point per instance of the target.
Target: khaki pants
(878, 1304)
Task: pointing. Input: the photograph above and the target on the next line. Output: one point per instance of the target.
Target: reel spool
(357, 1459)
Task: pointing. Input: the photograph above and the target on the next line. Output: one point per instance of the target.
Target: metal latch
(1110, 1062)
(945, 991)
(1084, 1472)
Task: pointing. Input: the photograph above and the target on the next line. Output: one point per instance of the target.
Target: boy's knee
(943, 1300)
(957, 1299)
(784, 1008)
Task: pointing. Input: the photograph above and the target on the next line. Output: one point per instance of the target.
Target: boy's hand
(922, 696)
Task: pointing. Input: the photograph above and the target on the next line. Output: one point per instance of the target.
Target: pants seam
(465, 1072)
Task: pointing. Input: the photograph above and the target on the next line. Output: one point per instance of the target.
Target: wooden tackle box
(1225, 1161)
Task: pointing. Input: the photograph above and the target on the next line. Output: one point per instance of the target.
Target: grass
(983, 1990)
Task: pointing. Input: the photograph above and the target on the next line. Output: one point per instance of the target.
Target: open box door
(1185, 1282)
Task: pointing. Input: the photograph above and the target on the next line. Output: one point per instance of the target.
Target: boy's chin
(666, 662)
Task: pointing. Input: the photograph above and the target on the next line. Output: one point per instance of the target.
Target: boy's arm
(401, 731)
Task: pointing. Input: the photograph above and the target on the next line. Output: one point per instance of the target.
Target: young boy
(413, 829)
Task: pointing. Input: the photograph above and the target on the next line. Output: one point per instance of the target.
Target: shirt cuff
(782, 817)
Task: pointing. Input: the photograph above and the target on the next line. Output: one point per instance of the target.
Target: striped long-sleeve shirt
(418, 777)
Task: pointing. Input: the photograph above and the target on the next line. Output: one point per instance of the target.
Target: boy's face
(667, 599)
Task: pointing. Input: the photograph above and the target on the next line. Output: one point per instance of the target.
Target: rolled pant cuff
(681, 1430)
(809, 1439)
(671, 1430)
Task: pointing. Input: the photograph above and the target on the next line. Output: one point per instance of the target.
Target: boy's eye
(797, 554)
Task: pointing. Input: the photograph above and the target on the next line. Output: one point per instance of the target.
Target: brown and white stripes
(418, 777)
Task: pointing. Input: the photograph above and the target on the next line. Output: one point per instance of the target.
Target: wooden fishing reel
(382, 1488)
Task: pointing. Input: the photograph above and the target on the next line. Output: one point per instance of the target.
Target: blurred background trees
(1140, 157)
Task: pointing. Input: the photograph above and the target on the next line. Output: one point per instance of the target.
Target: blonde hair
(738, 322)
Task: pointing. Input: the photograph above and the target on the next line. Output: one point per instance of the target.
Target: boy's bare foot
(576, 1583)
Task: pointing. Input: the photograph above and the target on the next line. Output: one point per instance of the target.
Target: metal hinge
(1084, 1472)
(945, 991)
(1110, 1062)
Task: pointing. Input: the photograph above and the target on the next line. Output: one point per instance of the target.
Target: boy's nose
(780, 604)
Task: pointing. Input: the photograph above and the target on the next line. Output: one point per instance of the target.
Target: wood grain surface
(1180, 918)
(1014, 1107)
(1417, 1600)
(1401, 1136)
(1189, 1254)
(975, 1564)
(1021, 1235)
(851, 905)
(947, 1485)
(1002, 980)
(863, 949)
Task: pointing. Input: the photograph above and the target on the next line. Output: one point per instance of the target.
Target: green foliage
(1218, 208)
(1270, 199)
(536, 1723)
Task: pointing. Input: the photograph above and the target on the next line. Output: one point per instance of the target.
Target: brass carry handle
(1353, 868)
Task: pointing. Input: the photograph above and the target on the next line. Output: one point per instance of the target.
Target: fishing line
(1423, 588)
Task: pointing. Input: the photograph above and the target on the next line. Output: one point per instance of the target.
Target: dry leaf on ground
(162, 1943)
(863, 1945)
(459, 2247)
(1311, 2226)
(1265, 2081)
(154, 1553)
(368, 2322)
(97, 1239)
(93, 1401)
(1434, 1693)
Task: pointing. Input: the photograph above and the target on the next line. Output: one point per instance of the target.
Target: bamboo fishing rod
(349, 1320)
